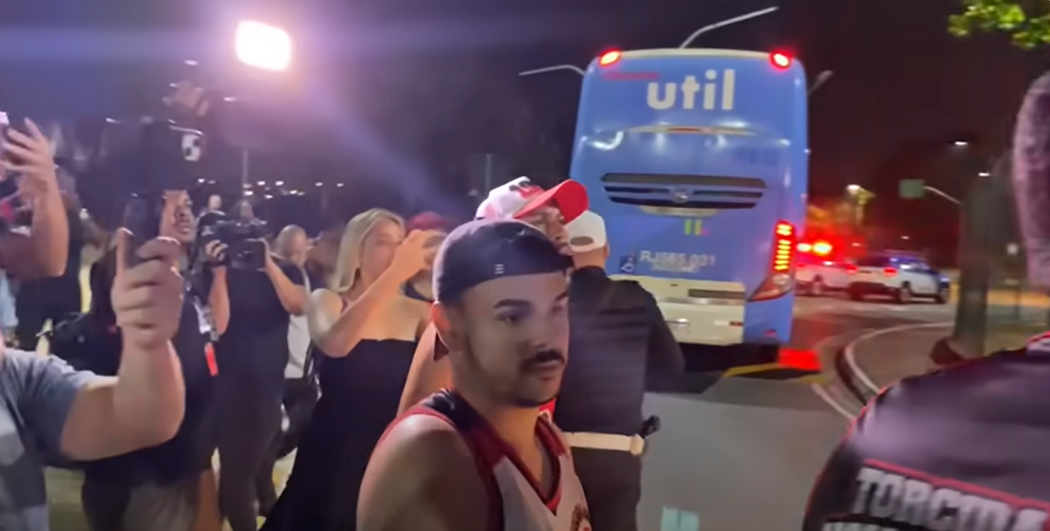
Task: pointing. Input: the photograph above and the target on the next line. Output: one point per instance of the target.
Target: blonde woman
(367, 330)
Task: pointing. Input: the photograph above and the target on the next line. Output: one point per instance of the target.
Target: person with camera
(265, 291)
(43, 250)
(170, 486)
(52, 415)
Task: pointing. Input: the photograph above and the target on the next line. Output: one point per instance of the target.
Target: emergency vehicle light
(780, 60)
(609, 58)
(822, 248)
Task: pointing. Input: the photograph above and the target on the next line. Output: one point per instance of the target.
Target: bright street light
(853, 188)
(263, 46)
(960, 143)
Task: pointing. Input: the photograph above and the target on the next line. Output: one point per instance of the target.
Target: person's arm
(287, 279)
(44, 252)
(336, 331)
(145, 404)
(664, 359)
(430, 371)
(422, 476)
(219, 300)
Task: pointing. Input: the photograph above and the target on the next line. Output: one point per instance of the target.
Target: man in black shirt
(253, 354)
(159, 488)
(619, 338)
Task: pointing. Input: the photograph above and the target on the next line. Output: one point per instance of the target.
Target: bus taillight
(780, 60)
(784, 247)
(779, 281)
(609, 58)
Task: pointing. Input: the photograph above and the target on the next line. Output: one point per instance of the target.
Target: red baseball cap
(521, 197)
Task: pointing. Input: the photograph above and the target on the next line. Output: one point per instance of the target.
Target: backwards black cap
(484, 250)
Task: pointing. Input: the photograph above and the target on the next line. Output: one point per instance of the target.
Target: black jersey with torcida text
(965, 448)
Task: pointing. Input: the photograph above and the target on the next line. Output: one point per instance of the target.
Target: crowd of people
(430, 376)
(322, 349)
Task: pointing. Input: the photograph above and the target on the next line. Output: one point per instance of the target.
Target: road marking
(751, 369)
(850, 351)
(818, 387)
(823, 394)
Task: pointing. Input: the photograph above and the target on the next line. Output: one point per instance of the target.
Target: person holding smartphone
(43, 250)
(420, 286)
(169, 487)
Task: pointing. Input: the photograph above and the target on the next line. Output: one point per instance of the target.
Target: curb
(849, 352)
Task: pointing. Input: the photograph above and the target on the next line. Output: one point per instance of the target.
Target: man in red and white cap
(548, 210)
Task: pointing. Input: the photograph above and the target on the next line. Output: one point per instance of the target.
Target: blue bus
(697, 159)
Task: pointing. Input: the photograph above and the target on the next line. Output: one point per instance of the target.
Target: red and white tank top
(516, 500)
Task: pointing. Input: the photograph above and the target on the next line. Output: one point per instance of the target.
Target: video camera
(243, 239)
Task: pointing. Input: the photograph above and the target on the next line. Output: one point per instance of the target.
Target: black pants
(251, 419)
(300, 397)
(612, 482)
(35, 304)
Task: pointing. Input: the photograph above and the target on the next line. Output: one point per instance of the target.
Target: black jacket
(618, 338)
(966, 447)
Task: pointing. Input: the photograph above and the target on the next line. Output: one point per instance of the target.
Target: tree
(1027, 22)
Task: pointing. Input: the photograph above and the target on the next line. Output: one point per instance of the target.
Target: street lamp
(728, 22)
(555, 68)
(685, 44)
(853, 189)
(819, 81)
(263, 46)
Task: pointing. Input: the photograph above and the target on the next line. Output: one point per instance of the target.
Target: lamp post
(728, 22)
(263, 47)
(685, 44)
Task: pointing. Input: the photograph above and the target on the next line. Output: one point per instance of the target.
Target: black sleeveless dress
(360, 394)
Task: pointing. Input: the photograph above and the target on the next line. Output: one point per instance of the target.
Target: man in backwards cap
(964, 447)
(547, 210)
(481, 457)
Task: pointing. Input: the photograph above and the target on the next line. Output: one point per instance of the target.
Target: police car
(900, 276)
(817, 271)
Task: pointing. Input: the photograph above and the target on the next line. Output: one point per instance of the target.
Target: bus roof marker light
(780, 60)
(610, 57)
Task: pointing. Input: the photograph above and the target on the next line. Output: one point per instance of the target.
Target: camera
(243, 239)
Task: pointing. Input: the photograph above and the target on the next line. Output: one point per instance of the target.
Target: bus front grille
(683, 191)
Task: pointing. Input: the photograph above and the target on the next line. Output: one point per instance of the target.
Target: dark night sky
(898, 75)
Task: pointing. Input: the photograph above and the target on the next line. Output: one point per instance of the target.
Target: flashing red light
(780, 60)
(889, 271)
(822, 248)
(609, 58)
(851, 269)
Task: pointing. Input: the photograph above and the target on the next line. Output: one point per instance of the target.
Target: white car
(815, 275)
(902, 277)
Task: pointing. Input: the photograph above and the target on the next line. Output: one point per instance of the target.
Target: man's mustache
(542, 357)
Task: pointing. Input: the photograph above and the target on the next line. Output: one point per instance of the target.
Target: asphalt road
(742, 452)
(735, 452)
